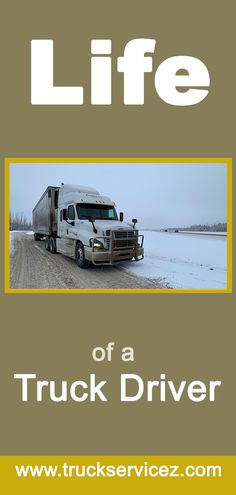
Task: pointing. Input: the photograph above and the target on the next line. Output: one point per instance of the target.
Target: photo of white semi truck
(77, 221)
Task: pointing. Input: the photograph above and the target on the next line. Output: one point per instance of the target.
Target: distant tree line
(216, 227)
(18, 221)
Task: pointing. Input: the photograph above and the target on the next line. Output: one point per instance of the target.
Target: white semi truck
(80, 223)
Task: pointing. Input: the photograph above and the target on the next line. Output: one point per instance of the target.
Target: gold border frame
(8, 161)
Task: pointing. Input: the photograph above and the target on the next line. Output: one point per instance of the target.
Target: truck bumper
(115, 255)
(107, 258)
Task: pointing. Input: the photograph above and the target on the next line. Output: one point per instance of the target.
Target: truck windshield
(95, 211)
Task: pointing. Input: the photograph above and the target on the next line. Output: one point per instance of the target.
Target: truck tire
(52, 245)
(80, 257)
(47, 243)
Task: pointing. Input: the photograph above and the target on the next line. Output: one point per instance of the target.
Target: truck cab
(90, 231)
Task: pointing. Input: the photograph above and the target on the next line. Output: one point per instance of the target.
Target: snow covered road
(34, 267)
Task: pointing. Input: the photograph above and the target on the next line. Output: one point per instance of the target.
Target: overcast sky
(159, 195)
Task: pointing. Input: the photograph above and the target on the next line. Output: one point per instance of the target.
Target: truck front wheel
(80, 257)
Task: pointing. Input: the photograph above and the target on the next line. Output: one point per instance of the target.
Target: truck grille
(123, 238)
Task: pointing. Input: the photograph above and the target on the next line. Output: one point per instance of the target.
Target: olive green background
(185, 335)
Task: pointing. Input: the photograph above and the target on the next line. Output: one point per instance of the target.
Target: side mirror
(65, 215)
(134, 220)
(90, 219)
(121, 216)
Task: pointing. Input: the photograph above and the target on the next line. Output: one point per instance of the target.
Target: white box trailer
(80, 223)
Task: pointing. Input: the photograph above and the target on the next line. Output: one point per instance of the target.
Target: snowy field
(183, 261)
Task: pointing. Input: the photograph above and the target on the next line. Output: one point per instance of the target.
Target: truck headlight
(96, 244)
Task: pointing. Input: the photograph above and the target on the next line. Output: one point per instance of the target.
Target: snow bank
(183, 261)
